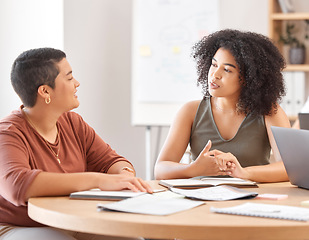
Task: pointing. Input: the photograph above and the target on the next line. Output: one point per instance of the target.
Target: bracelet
(127, 169)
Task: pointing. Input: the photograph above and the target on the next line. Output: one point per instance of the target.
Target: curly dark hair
(260, 64)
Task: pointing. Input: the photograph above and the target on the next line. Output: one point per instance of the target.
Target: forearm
(122, 167)
(56, 184)
(53, 184)
(204, 165)
(296, 124)
(170, 170)
(274, 172)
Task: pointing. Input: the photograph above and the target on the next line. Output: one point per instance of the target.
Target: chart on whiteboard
(165, 32)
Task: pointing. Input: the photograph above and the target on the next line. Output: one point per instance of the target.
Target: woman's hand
(117, 182)
(206, 164)
(120, 176)
(229, 163)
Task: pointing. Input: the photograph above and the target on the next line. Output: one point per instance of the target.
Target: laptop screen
(303, 120)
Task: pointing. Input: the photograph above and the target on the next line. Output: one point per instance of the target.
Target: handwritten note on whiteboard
(165, 32)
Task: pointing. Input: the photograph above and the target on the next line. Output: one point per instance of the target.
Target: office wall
(25, 25)
(97, 39)
(245, 15)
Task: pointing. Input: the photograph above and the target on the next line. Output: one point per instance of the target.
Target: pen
(159, 190)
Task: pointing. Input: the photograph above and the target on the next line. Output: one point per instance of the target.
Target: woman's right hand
(207, 165)
(230, 164)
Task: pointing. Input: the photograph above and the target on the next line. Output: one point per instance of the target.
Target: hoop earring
(47, 100)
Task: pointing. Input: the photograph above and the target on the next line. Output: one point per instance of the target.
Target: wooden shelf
(297, 67)
(276, 21)
(292, 118)
(289, 16)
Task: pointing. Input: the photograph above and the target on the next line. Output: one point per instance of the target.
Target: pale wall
(24, 25)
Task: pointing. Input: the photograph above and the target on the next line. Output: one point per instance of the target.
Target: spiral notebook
(267, 211)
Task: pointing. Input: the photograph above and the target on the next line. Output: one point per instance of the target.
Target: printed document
(218, 193)
(163, 203)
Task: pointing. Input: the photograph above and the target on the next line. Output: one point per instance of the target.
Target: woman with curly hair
(229, 129)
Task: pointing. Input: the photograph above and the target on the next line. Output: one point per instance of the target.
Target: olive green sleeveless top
(250, 145)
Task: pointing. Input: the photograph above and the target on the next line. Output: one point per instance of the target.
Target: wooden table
(197, 223)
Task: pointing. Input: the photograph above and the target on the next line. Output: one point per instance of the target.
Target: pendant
(58, 160)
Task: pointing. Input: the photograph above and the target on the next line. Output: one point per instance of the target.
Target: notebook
(205, 181)
(293, 145)
(97, 194)
(266, 210)
(105, 195)
(303, 120)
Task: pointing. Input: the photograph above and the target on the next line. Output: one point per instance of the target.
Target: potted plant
(297, 50)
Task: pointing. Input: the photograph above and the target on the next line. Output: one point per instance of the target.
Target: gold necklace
(56, 154)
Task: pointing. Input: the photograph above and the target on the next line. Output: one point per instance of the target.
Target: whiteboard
(163, 71)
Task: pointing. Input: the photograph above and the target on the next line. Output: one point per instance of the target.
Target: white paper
(218, 193)
(163, 70)
(226, 180)
(163, 203)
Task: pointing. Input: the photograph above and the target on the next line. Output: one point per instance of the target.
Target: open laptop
(303, 120)
(293, 145)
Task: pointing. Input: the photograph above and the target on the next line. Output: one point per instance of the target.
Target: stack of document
(176, 200)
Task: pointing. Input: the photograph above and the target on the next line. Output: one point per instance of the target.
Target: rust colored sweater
(24, 154)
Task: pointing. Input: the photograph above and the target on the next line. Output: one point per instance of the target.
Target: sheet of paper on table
(162, 203)
(218, 193)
